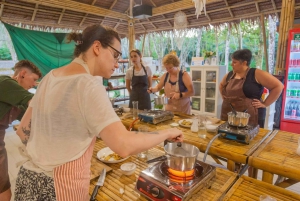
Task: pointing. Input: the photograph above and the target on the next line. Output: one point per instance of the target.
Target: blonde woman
(177, 84)
(138, 80)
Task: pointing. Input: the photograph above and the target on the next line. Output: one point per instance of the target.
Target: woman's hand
(175, 135)
(150, 90)
(175, 95)
(258, 104)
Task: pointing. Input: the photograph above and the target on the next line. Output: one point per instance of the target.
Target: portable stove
(158, 183)
(155, 116)
(242, 135)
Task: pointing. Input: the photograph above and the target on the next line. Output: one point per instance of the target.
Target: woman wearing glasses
(68, 111)
(138, 80)
(177, 84)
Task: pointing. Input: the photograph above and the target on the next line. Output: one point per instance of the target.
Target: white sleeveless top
(68, 112)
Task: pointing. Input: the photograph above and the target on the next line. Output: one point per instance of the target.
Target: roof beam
(61, 15)
(216, 10)
(79, 7)
(176, 6)
(229, 10)
(112, 5)
(34, 12)
(81, 22)
(257, 7)
(153, 3)
(1, 9)
(208, 17)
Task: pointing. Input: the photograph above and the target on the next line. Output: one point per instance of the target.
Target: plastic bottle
(194, 127)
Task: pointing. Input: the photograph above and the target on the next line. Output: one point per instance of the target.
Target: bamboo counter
(114, 180)
(277, 155)
(233, 151)
(250, 189)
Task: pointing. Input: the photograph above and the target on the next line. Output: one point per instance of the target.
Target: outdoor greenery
(5, 53)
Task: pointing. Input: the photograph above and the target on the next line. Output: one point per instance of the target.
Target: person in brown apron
(243, 88)
(177, 86)
(14, 100)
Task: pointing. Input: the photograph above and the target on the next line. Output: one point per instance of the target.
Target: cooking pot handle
(161, 158)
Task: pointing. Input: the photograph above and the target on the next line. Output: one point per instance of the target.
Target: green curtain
(46, 50)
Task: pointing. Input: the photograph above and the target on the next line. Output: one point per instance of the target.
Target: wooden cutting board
(97, 167)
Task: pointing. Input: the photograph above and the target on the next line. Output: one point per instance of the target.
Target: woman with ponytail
(70, 108)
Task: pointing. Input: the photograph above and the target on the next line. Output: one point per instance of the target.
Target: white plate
(105, 152)
(180, 122)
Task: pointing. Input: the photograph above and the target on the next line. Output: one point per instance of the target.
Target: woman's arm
(149, 81)
(128, 86)
(187, 81)
(159, 86)
(24, 128)
(270, 82)
(126, 143)
(222, 84)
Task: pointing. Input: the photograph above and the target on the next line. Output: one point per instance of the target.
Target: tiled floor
(13, 141)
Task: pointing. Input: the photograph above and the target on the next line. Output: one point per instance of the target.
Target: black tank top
(182, 87)
(252, 90)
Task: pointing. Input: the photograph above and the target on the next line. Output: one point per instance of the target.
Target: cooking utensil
(179, 150)
(98, 184)
(161, 100)
(240, 119)
(232, 108)
(179, 162)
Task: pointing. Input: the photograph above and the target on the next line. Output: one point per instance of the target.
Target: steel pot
(161, 100)
(179, 162)
(240, 119)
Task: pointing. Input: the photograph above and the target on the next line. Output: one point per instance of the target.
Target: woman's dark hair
(91, 33)
(243, 55)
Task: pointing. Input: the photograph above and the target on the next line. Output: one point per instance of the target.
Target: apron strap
(82, 63)
(177, 82)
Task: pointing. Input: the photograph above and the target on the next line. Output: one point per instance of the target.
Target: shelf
(211, 82)
(117, 88)
(197, 81)
(294, 81)
(291, 118)
(292, 66)
(116, 76)
(196, 96)
(211, 99)
(296, 97)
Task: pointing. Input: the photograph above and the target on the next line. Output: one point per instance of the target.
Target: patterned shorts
(34, 186)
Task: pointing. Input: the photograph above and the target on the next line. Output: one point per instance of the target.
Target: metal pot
(240, 119)
(161, 100)
(179, 162)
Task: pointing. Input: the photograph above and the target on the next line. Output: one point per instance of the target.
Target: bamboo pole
(286, 23)
(262, 19)
(131, 34)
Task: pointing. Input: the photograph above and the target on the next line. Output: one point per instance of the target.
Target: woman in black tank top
(252, 83)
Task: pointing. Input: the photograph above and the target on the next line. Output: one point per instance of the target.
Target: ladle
(233, 110)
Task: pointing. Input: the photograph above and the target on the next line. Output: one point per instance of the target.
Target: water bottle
(194, 127)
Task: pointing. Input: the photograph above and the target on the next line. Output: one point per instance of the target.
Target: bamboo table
(247, 188)
(233, 151)
(115, 181)
(277, 155)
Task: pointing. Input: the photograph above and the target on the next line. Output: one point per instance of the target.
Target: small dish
(187, 123)
(128, 168)
(211, 128)
(126, 109)
(174, 124)
(103, 153)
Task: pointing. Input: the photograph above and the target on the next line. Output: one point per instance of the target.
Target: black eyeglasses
(117, 55)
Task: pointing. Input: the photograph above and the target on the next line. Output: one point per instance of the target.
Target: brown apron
(233, 93)
(176, 105)
(4, 123)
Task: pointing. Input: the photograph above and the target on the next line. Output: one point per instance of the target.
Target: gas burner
(155, 116)
(159, 182)
(239, 134)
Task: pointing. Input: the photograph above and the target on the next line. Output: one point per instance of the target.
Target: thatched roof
(77, 14)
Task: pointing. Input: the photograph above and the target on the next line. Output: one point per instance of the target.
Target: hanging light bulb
(200, 5)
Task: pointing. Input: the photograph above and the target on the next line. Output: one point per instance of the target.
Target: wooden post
(262, 19)
(131, 34)
(286, 23)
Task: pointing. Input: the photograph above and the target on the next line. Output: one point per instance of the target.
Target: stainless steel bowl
(241, 119)
(161, 100)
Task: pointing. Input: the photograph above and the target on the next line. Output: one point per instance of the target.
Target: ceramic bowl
(128, 168)
(126, 109)
(211, 128)
(174, 125)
